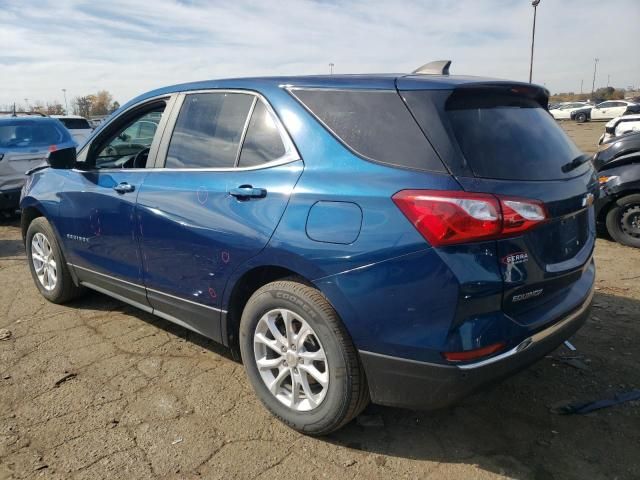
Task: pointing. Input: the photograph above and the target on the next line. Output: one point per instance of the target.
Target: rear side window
(209, 130)
(505, 136)
(75, 123)
(262, 142)
(31, 133)
(374, 124)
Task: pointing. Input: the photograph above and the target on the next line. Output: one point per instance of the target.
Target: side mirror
(64, 159)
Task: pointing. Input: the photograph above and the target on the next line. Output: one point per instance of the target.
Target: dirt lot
(97, 389)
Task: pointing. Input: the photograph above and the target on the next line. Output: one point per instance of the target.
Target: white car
(563, 111)
(78, 126)
(619, 126)
(609, 109)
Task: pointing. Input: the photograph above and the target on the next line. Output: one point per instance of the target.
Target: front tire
(300, 359)
(581, 117)
(623, 221)
(47, 265)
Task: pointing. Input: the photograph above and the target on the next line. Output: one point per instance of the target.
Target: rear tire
(275, 371)
(623, 221)
(48, 267)
(581, 117)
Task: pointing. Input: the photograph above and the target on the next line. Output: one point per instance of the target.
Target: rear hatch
(24, 144)
(498, 138)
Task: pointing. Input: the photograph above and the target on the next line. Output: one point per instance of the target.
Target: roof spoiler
(439, 67)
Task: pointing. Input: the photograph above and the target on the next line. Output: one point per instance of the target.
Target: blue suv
(401, 239)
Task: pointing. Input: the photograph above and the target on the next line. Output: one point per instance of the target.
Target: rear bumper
(9, 199)
(418, 385)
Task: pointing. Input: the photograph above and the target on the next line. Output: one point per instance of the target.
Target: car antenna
(438, 67)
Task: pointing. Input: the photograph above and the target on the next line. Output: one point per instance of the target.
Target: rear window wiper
(576, 162)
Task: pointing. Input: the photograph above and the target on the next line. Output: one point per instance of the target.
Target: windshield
(25, 134)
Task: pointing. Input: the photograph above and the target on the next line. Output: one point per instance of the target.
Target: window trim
(291, 152)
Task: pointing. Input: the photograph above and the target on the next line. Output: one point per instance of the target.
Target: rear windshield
(75, 123)
(510, 137)
(25, 133)
(374, 124)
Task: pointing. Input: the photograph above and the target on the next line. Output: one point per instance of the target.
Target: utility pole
(608, 78)
(595, 67)
(26, 101)
(581, 82)
(534, 3)
(331, 68)
(66, 107)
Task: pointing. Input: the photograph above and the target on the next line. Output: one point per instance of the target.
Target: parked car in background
(618, 207)
(78, 126)
(400, 238)
(563, 111)
(581, 115)
(24, 144)
(609, 109)
(619, 126)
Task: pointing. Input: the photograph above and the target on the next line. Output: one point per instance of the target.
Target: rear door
(222, 188)
(500, 140)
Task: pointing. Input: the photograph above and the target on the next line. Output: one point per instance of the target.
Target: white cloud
(129, 47)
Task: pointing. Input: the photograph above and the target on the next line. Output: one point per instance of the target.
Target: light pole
(331, 68)
(595, 67)
(534, 3)
(66, 107)
(581, 82)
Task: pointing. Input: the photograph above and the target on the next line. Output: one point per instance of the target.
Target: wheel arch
(239, 293)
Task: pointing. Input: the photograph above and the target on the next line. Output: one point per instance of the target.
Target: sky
(128, 47)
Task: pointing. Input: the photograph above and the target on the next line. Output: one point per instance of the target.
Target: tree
(54, 108)
(102, 103)
(114, 106)
(83, 105)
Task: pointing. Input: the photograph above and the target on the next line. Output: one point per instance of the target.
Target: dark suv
(399, 238)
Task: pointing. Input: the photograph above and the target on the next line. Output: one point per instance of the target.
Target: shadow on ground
(512, 428)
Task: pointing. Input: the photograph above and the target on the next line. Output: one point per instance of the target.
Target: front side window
(262, 142)
(209, 130)
(129, 146)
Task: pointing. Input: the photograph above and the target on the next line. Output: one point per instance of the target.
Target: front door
(103, 244)
(228, 173)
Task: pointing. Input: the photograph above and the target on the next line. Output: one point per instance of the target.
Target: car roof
(28, 119)
(379, 81)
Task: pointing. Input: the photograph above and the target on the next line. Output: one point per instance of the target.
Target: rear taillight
(450, 217)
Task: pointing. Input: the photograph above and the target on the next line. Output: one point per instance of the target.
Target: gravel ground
(96, 389)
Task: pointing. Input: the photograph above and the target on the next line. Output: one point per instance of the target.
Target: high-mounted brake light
(451, 217)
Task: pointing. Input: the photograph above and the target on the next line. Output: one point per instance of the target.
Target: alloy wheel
(44, 262)
(291, 360)
(630, 221)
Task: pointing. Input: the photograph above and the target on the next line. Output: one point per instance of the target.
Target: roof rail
(14, 113)
(438, 67)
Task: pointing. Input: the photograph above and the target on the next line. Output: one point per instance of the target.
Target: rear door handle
(124, 187)
(247, 191)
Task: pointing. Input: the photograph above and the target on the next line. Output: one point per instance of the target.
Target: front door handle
(124, 187)
(244, 192)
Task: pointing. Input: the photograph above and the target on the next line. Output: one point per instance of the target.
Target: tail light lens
(451, 217)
